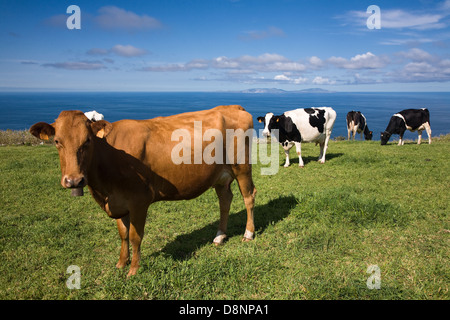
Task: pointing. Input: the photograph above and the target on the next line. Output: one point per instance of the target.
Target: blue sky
(208, 45)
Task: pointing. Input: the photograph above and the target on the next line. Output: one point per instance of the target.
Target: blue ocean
(20, 110)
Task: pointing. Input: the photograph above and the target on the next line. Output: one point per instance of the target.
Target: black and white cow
(411, 119)
(357, 123)
(301, 125)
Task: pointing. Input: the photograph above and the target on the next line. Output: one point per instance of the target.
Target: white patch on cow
(220, 237)
(350, 130)
(428, 130)
(248, 235)
(298, 147)
(403, 118)
(266, 131)
(287, 163)
(364, 128)
(94, 115)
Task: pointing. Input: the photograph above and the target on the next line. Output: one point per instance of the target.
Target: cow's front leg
(287, 163)
(420, 137)
(287, 146)
(123, 225)
(137, 223)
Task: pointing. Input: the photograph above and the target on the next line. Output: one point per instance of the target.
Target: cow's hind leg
(323, 148)
(123, 225)
(298, 147)
(248, 191)
(225, 197)
(428, 130)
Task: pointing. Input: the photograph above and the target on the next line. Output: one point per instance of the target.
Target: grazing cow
(411, 119)
(301, 125)
(127, 165)
(356, 122)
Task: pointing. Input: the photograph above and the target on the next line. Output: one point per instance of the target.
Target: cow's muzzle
(76, 184)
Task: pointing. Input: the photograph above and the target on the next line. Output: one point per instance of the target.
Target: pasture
(318, 229)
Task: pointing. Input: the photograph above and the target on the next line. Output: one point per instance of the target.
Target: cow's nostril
(74, 183)
(68, 183)
(81, 182)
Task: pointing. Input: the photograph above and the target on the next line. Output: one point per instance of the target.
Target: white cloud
(285, 78)
(416, 54)
(112, 17)
(402, 19)
(127, 51)
(423, 67)
(395, 19)
(281, 77)
(322, 81)
(360, 61)
(413, 65)
(316, 62)
(266, 62)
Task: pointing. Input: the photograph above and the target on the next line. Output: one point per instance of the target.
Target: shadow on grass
(183, 246)
(308, 159)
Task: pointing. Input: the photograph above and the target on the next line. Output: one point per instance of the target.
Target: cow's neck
(112, 169)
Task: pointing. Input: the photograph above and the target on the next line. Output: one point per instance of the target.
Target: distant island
(281, 91)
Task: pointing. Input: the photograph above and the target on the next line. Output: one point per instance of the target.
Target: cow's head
(270, 122)
(385, 137)
(368, 135)
(74, 137)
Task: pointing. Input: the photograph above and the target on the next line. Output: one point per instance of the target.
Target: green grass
(318, 230)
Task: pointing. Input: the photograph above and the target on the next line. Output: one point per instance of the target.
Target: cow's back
(150, 141)
(415, 118)
(323, 119)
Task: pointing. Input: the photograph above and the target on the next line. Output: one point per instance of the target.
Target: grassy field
(318, 230)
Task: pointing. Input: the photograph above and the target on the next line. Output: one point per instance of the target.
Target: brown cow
(127, 165)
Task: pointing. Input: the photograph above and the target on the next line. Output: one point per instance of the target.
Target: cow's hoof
(300, 166)
(132, 272)
(248, 236)
(219, 239)
(121, 265)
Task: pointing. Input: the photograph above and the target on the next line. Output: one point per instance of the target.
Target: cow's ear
(101, 128)
(42, 130)
(260, 119)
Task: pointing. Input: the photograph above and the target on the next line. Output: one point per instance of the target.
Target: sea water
(20, 110)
